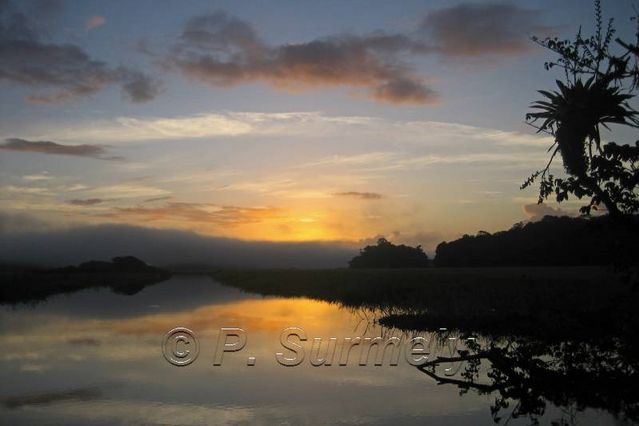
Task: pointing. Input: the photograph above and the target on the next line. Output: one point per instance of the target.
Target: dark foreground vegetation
(488, 300)
(553, 241)
(565, 336)
(125, 275)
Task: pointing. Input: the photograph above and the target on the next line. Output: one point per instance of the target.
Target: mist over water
(165, 248)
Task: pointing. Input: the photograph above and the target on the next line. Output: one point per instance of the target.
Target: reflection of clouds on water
(88, 341)
(89, 406)
(180, 293)
(142, 413)
(59, 346)
(46, 398)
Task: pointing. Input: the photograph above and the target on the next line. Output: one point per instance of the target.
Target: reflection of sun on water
(125, 350)
(269, 315)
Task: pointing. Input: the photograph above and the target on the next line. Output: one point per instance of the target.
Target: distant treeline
(124, 275)
(388, 255)
(553, 241)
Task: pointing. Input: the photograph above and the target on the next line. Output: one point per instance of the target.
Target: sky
(283, 121)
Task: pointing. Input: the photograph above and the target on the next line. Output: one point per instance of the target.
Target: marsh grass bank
(549, 300)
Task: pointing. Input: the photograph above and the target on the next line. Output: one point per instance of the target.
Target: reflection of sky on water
(94, 357)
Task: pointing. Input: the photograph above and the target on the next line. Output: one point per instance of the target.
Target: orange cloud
(222, 50)
(473, 30)
(210, 214)
(294, 223)
(248, 223)
(95, 22)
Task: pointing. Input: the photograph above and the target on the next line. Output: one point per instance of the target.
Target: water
(95, 358)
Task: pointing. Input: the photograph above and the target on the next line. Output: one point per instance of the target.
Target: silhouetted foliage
(527, 301)
(124, 275)
(553, 241)
(388, 255)
(525, 375)
(560, 336)
(606, 173)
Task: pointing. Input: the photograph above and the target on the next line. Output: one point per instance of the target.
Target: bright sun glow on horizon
(244, 125)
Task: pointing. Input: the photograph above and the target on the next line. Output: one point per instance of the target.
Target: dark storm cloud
(360, 195)
(66, 71)
(223, 50)
(471, 30)
(46, 147)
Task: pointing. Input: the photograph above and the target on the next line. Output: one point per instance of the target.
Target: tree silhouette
(388, 255)
(607, 173)
(526, 374)
(552, 241)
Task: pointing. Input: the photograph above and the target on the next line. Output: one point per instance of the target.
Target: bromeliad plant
(607, 173)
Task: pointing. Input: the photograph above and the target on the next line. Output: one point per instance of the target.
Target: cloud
(537, 212)
(378, 161)
(302, 124)
(203, 213)
(404, 90)
(155, 199)
(65, 69)
(202, 125)
(222, 50)
(137, 86)
(19, 223)
(94, 22)
(25, 190)
(126, 190)
(513, 158)
(360, 195)
(86, 202)
(472, 30)
(46, 147)
(500, 137)
(353, 160)
(161, 247)
(37, 177)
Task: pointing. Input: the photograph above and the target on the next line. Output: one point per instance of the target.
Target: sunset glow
(237, 123)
